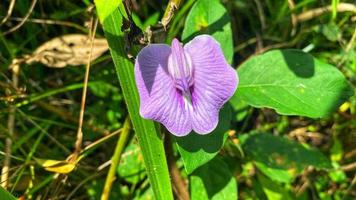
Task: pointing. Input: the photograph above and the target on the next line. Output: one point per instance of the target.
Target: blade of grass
(121, 142)
(334, 5)
(147, 132)
(35, 97)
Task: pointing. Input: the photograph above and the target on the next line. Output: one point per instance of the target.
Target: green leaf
(279, 158)
(273, 190)
(293, 83)
(210, 17)
(196, 150)
(151, 20)
(213, 181)
(5, 195)
(131, 166)
(147, 131)
(106, 8)
(239, 107)
(331, 31)
(337, 175)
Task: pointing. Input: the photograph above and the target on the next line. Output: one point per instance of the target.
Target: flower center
(180, 67)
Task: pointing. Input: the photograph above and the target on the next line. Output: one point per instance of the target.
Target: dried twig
(50, 22)
(9, 12)
(349, 189)
(103, 139)
(291, 6)
(342, 7)
(78, 142)
(179, 185)
(172, 6)
(350, 154)
(351, 43)
(261, 14)
(349, 167)
(24, 19)
(11, 129)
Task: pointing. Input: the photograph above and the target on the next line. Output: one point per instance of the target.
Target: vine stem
(116, 159)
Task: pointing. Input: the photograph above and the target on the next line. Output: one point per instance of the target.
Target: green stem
(116, 159)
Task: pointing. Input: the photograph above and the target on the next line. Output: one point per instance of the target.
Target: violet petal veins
(184, 87)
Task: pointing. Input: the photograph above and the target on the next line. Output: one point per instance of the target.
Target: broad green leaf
(147, 132)
(5, 195)
(273, 190)
(131, 166)
(210, 17)
(213, 181)
(196, 150)
(293, 83)
(279, 158)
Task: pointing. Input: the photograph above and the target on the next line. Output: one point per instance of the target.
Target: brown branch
(9, 12)
(342, 7)
(261, 14)
(291, 6)
(11, 129)
(350, 154)
(50, 22)
(179, 186)
(348, 167)
(24, 19)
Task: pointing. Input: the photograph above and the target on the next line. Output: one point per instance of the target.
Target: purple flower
(184, 87)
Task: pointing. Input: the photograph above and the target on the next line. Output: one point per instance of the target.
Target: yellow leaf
(344, 107)
(58, 166)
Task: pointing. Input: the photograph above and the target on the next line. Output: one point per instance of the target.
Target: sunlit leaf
(293, 83)
(210, 17)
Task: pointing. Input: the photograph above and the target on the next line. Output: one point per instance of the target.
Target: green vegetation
(70, 126)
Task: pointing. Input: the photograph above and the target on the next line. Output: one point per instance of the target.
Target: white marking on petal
(180, 67)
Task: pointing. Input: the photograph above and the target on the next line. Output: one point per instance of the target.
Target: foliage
(288, 132)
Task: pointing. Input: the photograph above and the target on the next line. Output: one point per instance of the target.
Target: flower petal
(215, 81)
(159, 99)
